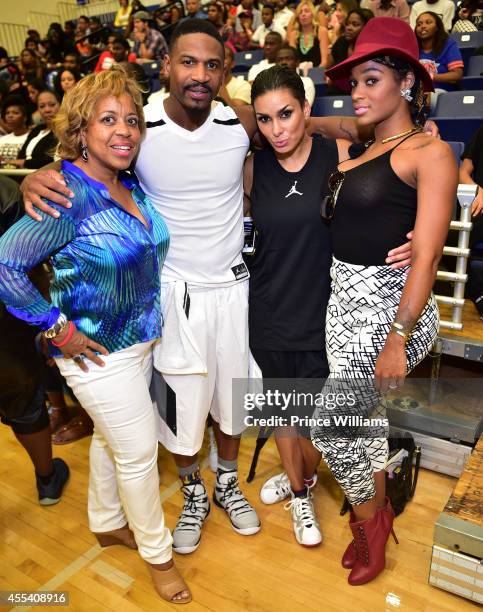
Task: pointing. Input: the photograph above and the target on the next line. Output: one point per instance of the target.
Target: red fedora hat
(382, 36)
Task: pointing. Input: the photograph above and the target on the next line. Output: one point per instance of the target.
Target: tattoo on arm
(346, 131)
(405, 318)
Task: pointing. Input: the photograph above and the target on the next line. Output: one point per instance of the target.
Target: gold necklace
(406, 133)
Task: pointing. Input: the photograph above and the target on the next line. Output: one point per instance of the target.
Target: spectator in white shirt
(444, 8)
(287, 57)
(283, 14)
(273, 42)
(235, 90)
(15, 117)
(268, 25)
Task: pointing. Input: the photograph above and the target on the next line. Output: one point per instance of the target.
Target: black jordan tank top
(289, 282)
(375, 210)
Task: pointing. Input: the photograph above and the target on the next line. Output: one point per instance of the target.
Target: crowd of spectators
(304, 35)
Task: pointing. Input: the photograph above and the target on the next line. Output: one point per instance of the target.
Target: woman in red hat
(380, 321)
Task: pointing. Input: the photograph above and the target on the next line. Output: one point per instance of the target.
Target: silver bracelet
(57, 328)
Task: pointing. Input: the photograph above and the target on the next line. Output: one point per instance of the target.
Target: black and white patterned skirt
(363, 304)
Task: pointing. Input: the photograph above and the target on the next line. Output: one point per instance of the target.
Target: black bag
(401, 486)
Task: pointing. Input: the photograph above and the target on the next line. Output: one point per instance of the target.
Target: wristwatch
(57, 328)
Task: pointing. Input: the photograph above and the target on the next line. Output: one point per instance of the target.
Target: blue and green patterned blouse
(107, 264)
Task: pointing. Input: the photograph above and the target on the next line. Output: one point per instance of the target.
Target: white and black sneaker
(277, 488)
(227, 495)
(305, 524)
(187, 533)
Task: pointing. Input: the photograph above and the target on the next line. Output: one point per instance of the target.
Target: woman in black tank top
(380, 322)
(289, 277)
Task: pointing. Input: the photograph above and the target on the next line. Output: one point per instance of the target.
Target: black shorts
(22, 396)
(296, 372)
(292, 364)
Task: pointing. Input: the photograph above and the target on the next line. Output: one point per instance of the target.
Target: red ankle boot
(387, 515)
(370, 537)
(350, 555)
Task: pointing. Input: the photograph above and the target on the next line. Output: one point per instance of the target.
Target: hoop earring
(84, 153)
(406, 94)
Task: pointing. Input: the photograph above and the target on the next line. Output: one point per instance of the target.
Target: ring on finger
(78, 358)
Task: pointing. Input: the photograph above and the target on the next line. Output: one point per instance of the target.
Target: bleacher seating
(457, 128)
(151, 70)
(468, 83)
(459, 114)
(458, 148)
(468, 42)
(475, 66)
(327, 106)
(248, 58)
(241, 71)
(460, 104)
(243, 60)
(474, 78)
(318, 77)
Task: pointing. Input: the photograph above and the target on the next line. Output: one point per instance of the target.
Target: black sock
(45, 480)
(301, 493)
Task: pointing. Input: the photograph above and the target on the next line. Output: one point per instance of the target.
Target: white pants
(124, 480)
(217, 323)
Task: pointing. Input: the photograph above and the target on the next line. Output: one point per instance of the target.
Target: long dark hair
(279, 77)
(440, 36)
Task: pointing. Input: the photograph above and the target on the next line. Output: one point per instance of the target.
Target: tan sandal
(123, 536)
(76, 429)
(58, 416)
(169, 583)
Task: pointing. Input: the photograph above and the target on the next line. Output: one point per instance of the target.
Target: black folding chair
(262, 438)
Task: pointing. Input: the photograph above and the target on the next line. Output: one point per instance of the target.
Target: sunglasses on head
(327, 208)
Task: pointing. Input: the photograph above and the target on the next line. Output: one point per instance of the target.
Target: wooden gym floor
(52, 548)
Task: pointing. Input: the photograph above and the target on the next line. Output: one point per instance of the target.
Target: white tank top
(194, 179)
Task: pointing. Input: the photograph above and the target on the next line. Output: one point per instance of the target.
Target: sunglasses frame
(327, 208)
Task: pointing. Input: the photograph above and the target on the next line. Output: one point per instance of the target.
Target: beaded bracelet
(68, 336)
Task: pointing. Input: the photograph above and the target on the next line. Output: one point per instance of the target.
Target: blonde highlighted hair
(313, 10)
(78, 107)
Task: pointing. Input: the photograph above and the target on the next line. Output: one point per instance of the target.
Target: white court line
(111, 573)
(96, 550)
(67, 572)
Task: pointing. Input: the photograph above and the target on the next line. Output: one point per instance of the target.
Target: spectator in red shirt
(118, 51)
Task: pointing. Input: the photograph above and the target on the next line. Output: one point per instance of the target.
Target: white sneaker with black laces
(196, 507)
(227, 495)
(277, 488)
(305, 524)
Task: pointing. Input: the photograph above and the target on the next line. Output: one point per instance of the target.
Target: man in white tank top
(191, 166)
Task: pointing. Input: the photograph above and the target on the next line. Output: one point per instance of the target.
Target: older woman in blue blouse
(107, 252)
